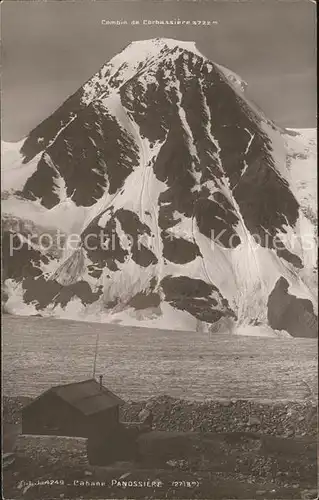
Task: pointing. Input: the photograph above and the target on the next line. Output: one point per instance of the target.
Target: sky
(50, 48)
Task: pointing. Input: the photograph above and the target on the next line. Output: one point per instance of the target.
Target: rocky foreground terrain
(230, 450)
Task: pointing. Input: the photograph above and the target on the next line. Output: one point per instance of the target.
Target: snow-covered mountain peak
(186, 187)
(154, 46)
(135, 58)
(142, 51)
(143, 56)
(157, 47)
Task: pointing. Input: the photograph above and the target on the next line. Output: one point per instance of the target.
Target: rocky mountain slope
(180, 197)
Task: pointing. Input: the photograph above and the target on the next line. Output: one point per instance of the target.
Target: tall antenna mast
(95, 354)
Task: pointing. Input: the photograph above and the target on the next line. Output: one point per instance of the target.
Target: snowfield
(139, 363)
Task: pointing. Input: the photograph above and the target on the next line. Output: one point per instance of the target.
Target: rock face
(179, 191)
(287, 312)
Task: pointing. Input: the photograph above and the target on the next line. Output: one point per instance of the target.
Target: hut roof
(87, 396)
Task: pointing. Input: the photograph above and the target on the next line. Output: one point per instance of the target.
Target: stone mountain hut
(82, 409)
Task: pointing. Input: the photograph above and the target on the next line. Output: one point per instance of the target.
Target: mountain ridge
(171, 154)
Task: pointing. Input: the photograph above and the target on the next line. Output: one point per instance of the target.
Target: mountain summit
(186, 187)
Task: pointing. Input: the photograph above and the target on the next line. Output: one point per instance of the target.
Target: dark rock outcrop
(287, 312)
